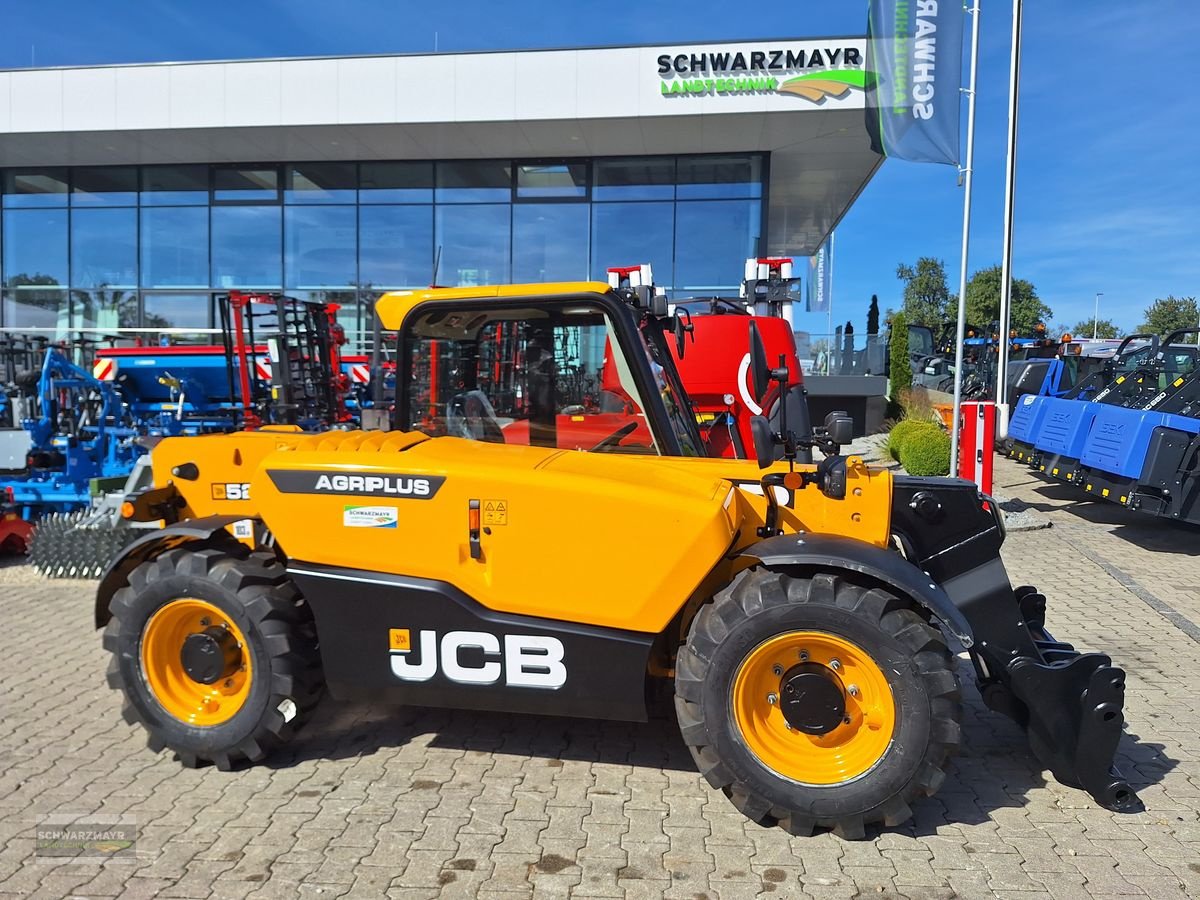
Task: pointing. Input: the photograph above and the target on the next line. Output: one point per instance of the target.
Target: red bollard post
(977, 442)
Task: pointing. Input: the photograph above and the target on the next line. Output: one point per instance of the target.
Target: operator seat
(472, 416)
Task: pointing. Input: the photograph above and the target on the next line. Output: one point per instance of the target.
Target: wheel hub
(196, 662)
(812, 699)
(834, 724)
(210, 655)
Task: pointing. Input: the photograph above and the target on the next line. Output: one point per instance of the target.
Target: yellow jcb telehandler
(800, 613)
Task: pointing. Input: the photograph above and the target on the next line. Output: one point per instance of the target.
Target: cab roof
(394, 306)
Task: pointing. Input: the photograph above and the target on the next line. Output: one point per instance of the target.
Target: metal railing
(842, 354)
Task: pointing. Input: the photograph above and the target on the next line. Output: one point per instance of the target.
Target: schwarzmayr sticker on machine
(370, 516)
(390, 485)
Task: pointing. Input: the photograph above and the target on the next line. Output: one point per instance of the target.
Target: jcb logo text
(475, 657)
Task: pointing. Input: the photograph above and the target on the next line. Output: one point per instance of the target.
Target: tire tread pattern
(277, 611)
(757, 589)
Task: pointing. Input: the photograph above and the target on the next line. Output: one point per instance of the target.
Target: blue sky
(1108, 199)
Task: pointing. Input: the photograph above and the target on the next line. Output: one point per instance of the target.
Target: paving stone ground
(371, 801)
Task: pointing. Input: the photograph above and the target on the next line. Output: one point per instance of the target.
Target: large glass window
(104, 309)
(174, 186)
(395, 246)
(247, 249)
(35, 187)
(104, 248)
(35, 247)
(716, 177)
(105, 186)
(626, 234)
(717, 235)
(37, 307)
(320, 246)
(175, 311)
(474, 182)
(175, 246)
(395, 182)
(128, 240)
(321, 183)
(644, 178)
(550, 242)
(474, 244)
(251, 184)
(557, 180)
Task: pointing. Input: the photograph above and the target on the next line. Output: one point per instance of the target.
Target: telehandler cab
(800, 613)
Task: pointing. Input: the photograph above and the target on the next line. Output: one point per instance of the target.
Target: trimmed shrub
(926, 452)
(902, 431)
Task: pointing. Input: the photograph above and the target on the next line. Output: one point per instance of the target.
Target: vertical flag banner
(914, 65)
(820, 272)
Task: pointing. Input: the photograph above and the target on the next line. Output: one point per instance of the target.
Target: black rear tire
(761, 604)
(255, 593)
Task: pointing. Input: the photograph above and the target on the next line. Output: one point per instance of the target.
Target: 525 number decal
(230, 490)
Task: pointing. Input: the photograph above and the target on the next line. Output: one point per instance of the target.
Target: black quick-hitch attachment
(1075, 723)
(1070, 705)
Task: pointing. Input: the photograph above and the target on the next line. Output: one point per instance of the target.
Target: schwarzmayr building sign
(811, 72)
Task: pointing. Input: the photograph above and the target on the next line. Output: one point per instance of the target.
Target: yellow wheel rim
(849, 750)
(185, 698)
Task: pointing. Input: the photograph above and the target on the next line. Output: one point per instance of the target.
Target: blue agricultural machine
(80, 417)
(1135, 440)
(64, 433)
(1078, 368)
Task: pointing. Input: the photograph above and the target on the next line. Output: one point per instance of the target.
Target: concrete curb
(1020, 516)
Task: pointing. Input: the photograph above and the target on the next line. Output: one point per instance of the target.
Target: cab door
(532, 374)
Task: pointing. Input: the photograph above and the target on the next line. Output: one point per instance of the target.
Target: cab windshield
(679, 411)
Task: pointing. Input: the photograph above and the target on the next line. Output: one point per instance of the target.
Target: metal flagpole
(966, 235)
(1010, 178)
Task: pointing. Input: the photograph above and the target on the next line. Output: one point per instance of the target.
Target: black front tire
(761, 604)
(254, 591)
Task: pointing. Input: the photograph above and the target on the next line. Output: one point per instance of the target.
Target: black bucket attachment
(1069, 703)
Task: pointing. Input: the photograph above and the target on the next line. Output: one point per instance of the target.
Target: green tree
(983, 302)
(926, 297)
(1104, 328)
(1171, 313)
(900, 370)
(873, 316)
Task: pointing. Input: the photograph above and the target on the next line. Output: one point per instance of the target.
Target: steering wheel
(615, 438)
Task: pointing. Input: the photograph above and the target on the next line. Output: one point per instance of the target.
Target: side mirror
(840, 427)
(682, 329)
(760, 371)
(764, 441)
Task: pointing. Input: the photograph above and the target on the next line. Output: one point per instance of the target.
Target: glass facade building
(144, 249)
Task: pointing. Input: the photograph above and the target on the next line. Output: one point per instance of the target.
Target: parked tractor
(802, 615)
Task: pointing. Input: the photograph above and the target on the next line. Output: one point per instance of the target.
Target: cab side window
(545, 378)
